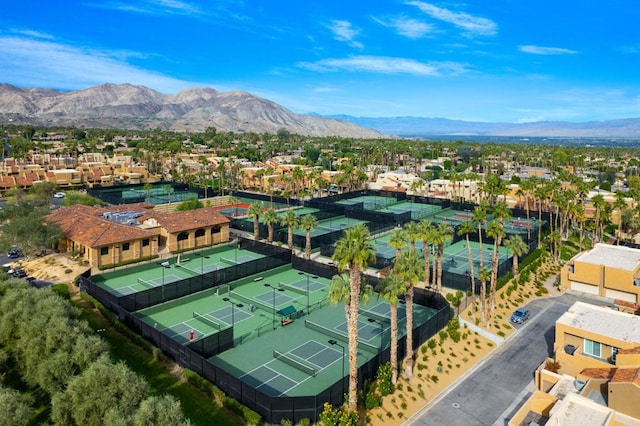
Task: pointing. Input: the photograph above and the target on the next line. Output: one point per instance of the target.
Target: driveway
(486, 395)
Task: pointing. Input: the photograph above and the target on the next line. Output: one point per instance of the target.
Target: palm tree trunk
(408, 358)
(290, 238)
(270, 237)
(256, 229)
(427, 262)
(308, 245)
(483, 301)
(440, 259)
(471, 271)
(494, 274)
(352, 323)
(393, 308)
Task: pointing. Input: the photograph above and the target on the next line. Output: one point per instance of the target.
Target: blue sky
(481, 60)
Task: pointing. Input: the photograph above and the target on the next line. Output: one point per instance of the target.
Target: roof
(619, 257)
(578, 410)
(602, 321)
(80, 224)
(186, 220)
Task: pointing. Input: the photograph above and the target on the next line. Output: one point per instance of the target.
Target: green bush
(373, 400)
(331, 416)
(384, 379)
(250, 416)
(127, 262)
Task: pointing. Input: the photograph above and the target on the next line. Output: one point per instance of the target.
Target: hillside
(137, 107)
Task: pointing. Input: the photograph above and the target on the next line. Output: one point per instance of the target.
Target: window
(215, 229)
(145, 242)
(104, 251)
(125, 246)
(592, 348)
(199, 232)
(183, 236)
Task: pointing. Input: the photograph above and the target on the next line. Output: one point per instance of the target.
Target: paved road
(487, 394)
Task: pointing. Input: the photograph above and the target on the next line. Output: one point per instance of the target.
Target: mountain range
(128, 106)
(419, 126)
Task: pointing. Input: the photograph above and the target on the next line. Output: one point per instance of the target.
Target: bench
(286, 321)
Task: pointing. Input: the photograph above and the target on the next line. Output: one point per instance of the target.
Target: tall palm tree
(410, 270)
(270, 219)
(466, 228)
(479, 217)
(484, 275)
(398, 241)
(390, 289)
(620, 204)
(354, 251)
(517, 247)
(495, 231)
(442, 235)
(255, 211)
(308, 223)
(427, 232)
(290, 220)
(413, 233)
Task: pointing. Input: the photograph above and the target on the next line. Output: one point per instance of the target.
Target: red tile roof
(187, 220)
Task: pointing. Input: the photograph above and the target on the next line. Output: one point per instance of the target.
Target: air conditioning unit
(569, 349)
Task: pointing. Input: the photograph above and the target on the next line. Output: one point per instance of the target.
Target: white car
(58, 195)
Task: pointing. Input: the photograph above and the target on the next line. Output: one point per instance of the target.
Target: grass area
(199, 407)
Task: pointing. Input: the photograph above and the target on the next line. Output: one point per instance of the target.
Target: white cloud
(37, 63)
(159, 7)
(33, 34)
(407, 27)
(473, 25)
(325, 89)
(344, 31)
(385, 65)
(544, 50)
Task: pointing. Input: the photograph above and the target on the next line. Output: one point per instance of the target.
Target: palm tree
(354, 251)
(254, 211)
(398, 241)
(413, 233)
(465, 229)
(479, 217)
(290, 220)
(495, 231)
(484, 275)
(620, 204)
(308, 223)
(410, 270)
(517, 247)
(442, 235)
(390, 288)
(147, 188)
(270, 219)
(427, 232)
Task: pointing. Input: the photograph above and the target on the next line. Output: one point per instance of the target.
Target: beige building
(132, 232)
(594, 377)
(607, 271)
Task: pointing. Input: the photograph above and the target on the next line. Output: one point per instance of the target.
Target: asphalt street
(486, 395)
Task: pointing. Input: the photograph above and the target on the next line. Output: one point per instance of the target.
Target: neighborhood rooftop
(612, 256)
(602, 321)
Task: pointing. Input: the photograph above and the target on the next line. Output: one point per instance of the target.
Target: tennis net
(293, 288)
(293, 362)
(254, 302)
(342, 337)
(374, 315)
(206, 320)
(189, 270)
(147, 284)
(229, 261)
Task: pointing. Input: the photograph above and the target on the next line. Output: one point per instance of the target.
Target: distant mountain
(418, 126)
(137, 107)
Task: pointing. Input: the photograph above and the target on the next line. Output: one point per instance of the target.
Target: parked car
(14, 253)
(19, 273)
(520, 316)
(58, 195)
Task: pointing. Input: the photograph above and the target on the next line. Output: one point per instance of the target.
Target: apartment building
(607, 271)
(594, 377)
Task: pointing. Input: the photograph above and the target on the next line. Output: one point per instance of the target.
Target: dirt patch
(56, 267)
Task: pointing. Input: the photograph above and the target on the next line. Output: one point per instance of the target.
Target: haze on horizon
(494, 61)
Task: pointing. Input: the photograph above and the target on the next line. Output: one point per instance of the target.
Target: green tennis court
(339, 223)
(456, 257)
(418, 210)
(370, 202)
(165, 271)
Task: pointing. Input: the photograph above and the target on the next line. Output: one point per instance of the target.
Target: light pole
(163, 265)
(202, 258)
(335, 343)
(273, 318)
(226, 299)
(372, 320)
(307, 275)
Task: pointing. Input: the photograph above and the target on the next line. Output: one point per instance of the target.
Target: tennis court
(456, 257)
(339, 223)
(166, 271)
(370, 202)
(234, 210)
(521, 225)
(161, 195)
(418, 210)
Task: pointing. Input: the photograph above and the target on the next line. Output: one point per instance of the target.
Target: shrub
(384, 379)
(251, 417)
(372, 400)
